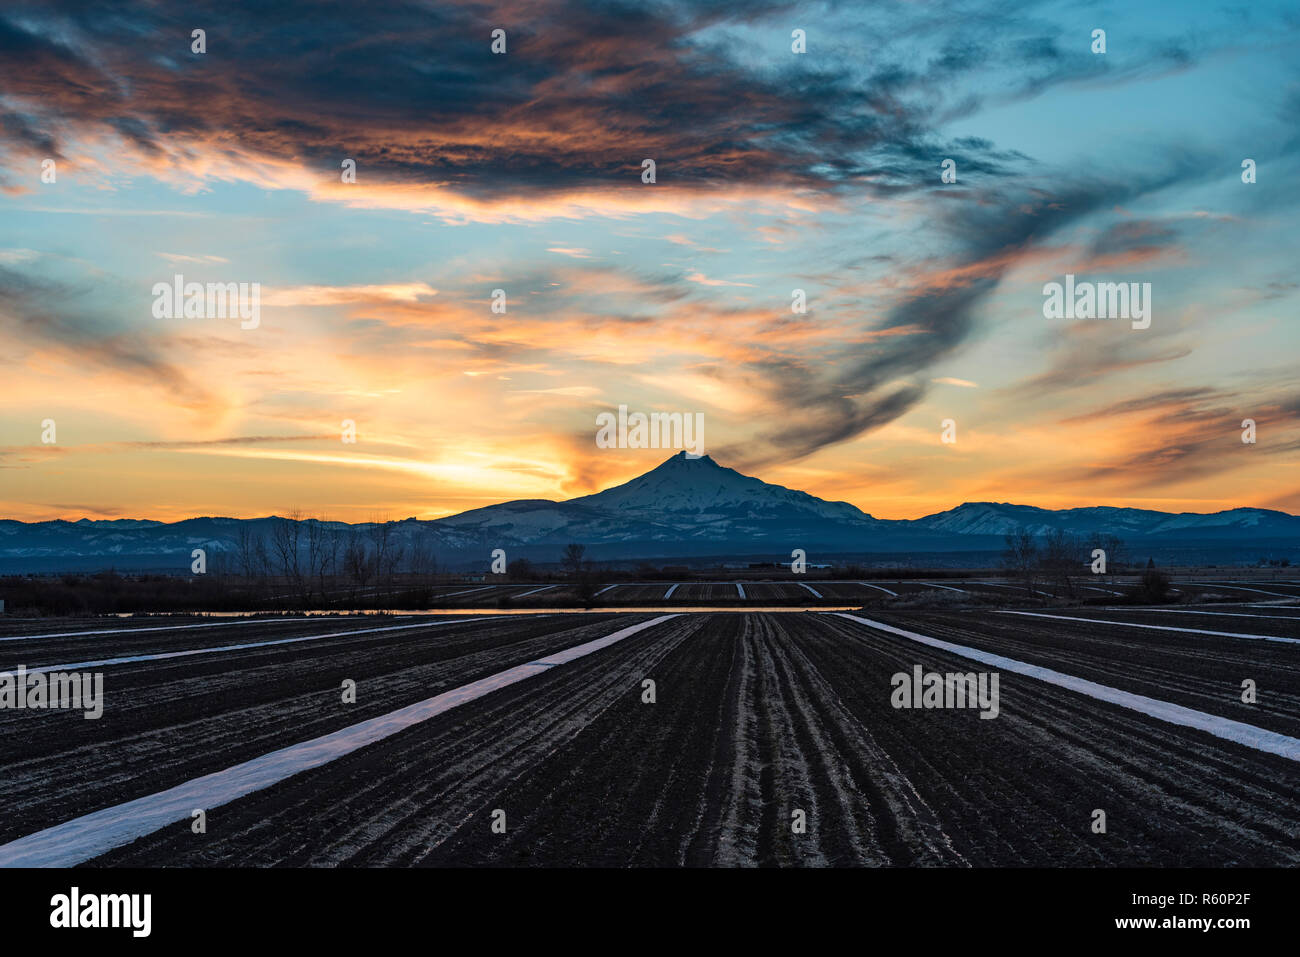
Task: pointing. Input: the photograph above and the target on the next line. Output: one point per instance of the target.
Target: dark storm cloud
(413, 93)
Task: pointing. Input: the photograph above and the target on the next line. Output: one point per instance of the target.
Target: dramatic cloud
(559, 124)
(777, 174)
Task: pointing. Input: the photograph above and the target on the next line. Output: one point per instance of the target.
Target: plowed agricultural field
(697, 739)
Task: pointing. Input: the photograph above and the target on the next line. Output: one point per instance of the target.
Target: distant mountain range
(684, 507)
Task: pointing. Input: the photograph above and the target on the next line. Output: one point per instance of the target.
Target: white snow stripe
(740, 588)
(1217, 614)
(536, 590)
(1236, 731)
(105, 662)
(469, 592)
(669, 593)
(1016, 585)
(90, 835)
(810, 588)
(878, 588)
(1130, 624)
(605, 589)
(1258, 591)
(144, 631)
(1106, 590)
(949, 587)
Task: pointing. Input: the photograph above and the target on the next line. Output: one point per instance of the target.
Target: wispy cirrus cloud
(403, 292)
(71, 322)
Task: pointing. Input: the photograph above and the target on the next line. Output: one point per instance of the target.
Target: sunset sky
(775, 171)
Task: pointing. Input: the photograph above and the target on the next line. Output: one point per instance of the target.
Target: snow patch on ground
(104, 662)
(83, 838)
(1236, 731)
(1130, 624)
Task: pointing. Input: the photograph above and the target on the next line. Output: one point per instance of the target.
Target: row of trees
(1061, 558)
(319, 563)
(292, 562)
(316, 561)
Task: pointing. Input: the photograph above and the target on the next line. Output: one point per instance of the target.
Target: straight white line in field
(810, 588)
(90, 835)
(740, 588)
(1130, 624)
(469, 592)
(1238, 603)
(1039, 591)
(142, 631)
(1217, 614)
(605, 589)
(1258, 591)
(878, 588)
(949, 587)
(536, 590)
(160, 656)
(1099, 588)
(1036, 591)
(1237, 731)
(669, 593)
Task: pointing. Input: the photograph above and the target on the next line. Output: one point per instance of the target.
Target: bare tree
(387, 553)
(1060, 559)
(1113, 546)
(1115, 554)
(247, 550)
(572, 559)
(357, 564)
(579, 572)
(424, 561)
(322, 554)
(1020, 557)
(286, 536)
(262, 558)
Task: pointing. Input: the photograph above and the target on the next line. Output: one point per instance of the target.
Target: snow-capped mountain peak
(685, 505)
(699, 487)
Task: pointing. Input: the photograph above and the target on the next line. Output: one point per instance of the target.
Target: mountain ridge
(686, 501)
